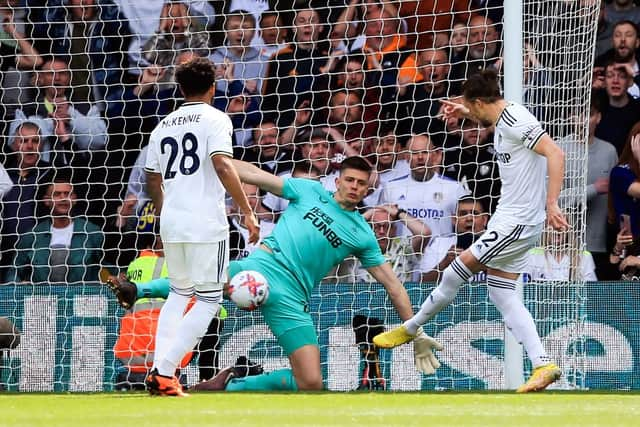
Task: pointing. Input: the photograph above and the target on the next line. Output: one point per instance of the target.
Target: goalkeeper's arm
(398, 294)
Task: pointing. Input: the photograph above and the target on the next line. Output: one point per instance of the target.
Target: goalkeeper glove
(423, 348)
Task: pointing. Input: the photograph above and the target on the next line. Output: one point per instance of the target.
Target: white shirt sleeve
(527, 129)
(219, 140)
(5, 181)
(152, 164)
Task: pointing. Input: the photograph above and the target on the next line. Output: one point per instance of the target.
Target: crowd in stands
(305, 84)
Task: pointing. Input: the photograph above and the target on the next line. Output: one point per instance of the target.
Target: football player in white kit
(526, 155)
(189, 167)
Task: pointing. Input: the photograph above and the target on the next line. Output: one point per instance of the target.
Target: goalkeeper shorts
(286, 311)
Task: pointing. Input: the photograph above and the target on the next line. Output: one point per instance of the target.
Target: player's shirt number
(189, 155)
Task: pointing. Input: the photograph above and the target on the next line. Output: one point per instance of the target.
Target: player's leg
(502, 292)
(164, 382)
(128, 292)
(208, 273)
(503, 269)
(172, 312)
(304, 356)
(453, 277)
(287, 315)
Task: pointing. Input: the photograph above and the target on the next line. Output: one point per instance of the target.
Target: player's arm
(154, 188)
(398, 294)
(223, 164)
(555, 169)
(252, 174)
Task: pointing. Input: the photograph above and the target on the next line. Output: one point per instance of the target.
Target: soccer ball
(248, 290)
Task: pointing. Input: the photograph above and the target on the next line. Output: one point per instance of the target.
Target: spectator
(95, 36)
(402, 252)
(626, 40)
(273, 33)
(27, 171)
(293, 73)
(173, 36)
(602, 157)
(266, 152)
(426, 194)
(346, 116)
(136, 197)
(619, 10)
(17, 57)
(458, 41)
(474, 165)
(389, 60)
(417, 105)
(426, 17)
(624, 184)
(625, 254)
(62, 248)
(604, 33)
(71, 131)
(483, 51)
(560, 260)
(389, 165)
(249, 64)
(469, 223)
(622, 111)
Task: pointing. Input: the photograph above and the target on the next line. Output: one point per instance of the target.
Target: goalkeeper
(317, 231)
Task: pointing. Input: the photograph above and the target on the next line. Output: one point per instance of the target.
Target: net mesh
(305, 85)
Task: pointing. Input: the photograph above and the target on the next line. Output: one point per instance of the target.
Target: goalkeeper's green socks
(157, 288)
(282, 379)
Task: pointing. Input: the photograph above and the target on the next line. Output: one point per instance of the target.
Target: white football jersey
(523, 172)
(180, 148)
(434, 202)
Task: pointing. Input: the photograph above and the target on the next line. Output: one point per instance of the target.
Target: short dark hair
(483, 85)
(627, 22)
(355, 162)
(195, 77)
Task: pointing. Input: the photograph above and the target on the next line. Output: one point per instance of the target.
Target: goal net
(306, 84)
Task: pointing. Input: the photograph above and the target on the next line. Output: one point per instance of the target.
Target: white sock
(190, 330)
(171, 314)
(517, 318)
(452, 278)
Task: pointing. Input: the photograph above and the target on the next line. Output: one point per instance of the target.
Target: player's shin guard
(280, 380)
(452, 278)
(192, 327)
(517, 317)
(365, 328)
(171, 314)
(158, 288)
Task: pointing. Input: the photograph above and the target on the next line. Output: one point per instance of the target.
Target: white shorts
(197, 266)
(505, 247)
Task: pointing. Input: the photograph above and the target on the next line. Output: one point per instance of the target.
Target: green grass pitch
(548, 409)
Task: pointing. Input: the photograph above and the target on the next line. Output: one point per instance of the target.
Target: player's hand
(252, 225)
(556, 218)
(453, 110)
(423, 348)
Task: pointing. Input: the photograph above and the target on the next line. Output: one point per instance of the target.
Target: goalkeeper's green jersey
(315, 233)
